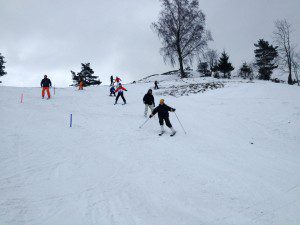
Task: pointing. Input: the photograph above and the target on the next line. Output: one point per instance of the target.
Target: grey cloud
(54, 36)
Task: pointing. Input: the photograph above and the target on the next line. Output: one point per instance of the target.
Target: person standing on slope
(45, 85)
(163, 115)
(112, 91)
(149, 102)
(111, 80)
(120, 91)
(80, 84)
(156, 85)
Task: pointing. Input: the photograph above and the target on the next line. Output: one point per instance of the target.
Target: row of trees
(2, 67)
(212, 65)
(181, 27)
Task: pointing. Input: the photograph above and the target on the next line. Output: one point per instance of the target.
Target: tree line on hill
(181, 28)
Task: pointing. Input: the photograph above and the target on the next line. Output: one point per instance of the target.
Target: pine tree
(2, 67)
(86, 75)
(265, 55)
(224, 66)
(246, 72)
(203, 69)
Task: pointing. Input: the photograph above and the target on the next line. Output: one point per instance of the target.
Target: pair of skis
(160, 134)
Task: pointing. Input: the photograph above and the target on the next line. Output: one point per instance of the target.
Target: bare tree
(209, 59)
(211, 56)
(181, 27)
(286, 49)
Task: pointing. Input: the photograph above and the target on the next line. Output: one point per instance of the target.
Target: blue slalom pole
(71, 119)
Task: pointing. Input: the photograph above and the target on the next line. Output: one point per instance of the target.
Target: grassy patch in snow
(186, 89)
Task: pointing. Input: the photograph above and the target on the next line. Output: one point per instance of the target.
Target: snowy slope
(105, 170)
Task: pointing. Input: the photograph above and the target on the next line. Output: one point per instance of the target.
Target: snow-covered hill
(238, 164)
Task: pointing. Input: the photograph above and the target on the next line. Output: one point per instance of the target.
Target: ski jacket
(163, 111)
(46, 82)
(120, 90)
(148, 99)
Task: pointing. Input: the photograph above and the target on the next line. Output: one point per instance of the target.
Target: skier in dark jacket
(156, 85)
(149, 102)
(112, 91)
(111, 80)
(163, 115)
(45, 85)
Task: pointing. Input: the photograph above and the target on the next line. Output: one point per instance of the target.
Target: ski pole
(144, 123)
(180, 122)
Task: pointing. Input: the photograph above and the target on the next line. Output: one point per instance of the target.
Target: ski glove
(173, 110)
(150, 116)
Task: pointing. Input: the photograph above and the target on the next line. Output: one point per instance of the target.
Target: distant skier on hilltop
(45, 85)
(156, 85)
(163, 115)
(111, 80)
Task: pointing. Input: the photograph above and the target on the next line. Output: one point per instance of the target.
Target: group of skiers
(162, 109)
(119, 89)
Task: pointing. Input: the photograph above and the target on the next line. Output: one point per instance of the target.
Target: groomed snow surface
(239, 163)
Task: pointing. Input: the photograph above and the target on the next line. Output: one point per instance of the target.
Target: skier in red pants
(45, 85)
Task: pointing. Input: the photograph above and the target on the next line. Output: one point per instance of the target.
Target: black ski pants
(122, 96)
(166, 119)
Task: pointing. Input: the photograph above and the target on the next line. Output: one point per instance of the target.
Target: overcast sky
(52, 37)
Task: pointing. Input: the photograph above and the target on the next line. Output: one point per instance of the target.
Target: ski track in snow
(238, 164)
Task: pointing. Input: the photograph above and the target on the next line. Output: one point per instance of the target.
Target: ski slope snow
(238, 164)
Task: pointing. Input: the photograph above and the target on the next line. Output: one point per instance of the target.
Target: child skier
(80, 85)
(112, 91)
(163, 115)
(45, 85)
(156, 85)
(120, 90)
(149, 102)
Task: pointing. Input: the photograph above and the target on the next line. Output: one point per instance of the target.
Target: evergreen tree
(2, 67)
(265, 55)
(86, 75)
(203, 69)
(224, 66)
(246, 72)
